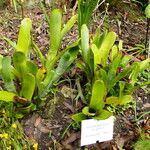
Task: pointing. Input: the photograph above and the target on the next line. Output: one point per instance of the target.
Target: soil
(51, 125)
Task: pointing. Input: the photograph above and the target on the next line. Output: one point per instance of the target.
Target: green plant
(19, 77)
(137, 50)
(15, 3)
(65, 57)
(107, 69)
(85, 11)
(95, 109)
(11, 132)
(23, 80)
(147, 11)
(143, 131)
(143, 140)
(142, 144)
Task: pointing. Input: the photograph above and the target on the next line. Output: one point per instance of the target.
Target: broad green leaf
(125, 60)
(97, 57)
(28, 86)
(86, 111)
(7, 96)
(121, 85)
(120, 45)
(125, 99)
(68, 25)
(104, 114)
(64, 63)
(116, 62)
(55, 33)
(85, 44)
(19, 61)
(102, 74)
(112, 100)
(66, 60)
(32, 68)
(147, 11)
(24, 38)
(113, 68)
(78, 117)
(16, 73)
(7, 74)
(101, 39)
(114, 65)
(96, 37)
(145, 64)
(51, 64)
(107, 44)
(48, 79)
(97, 98)
(114, 52)
(135, 72)
(137, 68)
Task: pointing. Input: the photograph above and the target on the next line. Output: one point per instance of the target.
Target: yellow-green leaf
(112, 100)
(107, 44)
(145, 64)
(147, 11)
(68, 25)
(118, 100)
(55, 33)
(85, 44)
(104, 114)
(78, 117)
(97, 57)
(7, 96)
(98, 93)
(114, 52)
(7, 74)
(86, 111)
(28, 86)
(24, 38)
(19, 61)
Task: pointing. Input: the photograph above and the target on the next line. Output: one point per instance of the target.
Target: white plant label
(93, 131)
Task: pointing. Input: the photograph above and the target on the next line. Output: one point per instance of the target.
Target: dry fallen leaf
(37, 121)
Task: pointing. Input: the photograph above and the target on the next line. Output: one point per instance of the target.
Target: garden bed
(50, 126)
